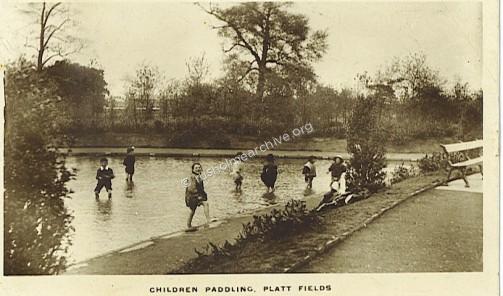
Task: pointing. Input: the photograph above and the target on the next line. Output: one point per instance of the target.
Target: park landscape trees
(54, 38)
(42, 104)
(268, 86)
(37, 225)
(264, 39)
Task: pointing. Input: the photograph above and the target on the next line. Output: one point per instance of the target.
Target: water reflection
(129, 189)
(104, 210)
(270, 198)
(309, 191)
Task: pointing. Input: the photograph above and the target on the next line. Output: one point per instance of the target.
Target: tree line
(269, 85)
(416, 104)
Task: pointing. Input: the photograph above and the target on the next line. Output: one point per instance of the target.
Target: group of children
(268, 176)
(337, 168)
(196, 196)
(104, 174)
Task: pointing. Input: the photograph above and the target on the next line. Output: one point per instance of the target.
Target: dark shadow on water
(270, 198)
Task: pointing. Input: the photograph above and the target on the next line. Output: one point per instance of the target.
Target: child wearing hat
(337, 169)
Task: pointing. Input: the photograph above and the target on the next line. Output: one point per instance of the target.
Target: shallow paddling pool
(155, 204)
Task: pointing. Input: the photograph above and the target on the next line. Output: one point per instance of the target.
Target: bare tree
(143, 90)
(198, 69)
(53, 36)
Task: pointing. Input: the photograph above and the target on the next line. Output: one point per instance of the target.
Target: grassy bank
(278, 255)
(240, 142)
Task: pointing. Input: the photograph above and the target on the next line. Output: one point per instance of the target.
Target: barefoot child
(269, 173)
(237, 173)
(129, 162)
(195, 195)
(309, 172)
(104, 175)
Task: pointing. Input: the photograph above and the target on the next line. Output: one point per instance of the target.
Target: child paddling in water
(269, 173)
(104, 175)
(237, 173)
(129, 162)
(195, 195)
(337, 169)
(309, 172)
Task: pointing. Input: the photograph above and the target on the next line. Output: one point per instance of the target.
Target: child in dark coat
(104, 175)
(269, 173)
(337, 169)
(129, 162)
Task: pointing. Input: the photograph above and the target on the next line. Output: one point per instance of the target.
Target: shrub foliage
(366, 146)
(276, 225)
(36, 222)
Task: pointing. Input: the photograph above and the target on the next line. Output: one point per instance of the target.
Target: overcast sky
(361, 37)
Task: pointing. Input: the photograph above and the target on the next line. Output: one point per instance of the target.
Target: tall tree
(53, 38)
(82, 88)
(410, 76)
(265, 37)
(197, 69)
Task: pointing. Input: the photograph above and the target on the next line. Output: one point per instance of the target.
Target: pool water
(155, 204)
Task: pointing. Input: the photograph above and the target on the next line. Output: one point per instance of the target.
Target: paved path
(186, 152)
(437, 231)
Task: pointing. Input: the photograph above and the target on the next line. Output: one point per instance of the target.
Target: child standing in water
(104, 175)
(129, 162)
(269, 173)
(237, 173)
(195, 195)
(309, 172)
(337, 169)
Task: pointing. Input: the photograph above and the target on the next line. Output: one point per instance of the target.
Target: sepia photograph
(262, 139)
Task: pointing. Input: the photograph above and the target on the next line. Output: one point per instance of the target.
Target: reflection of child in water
(309, 172)
(237, 173)
(269, 173)
(104, 175)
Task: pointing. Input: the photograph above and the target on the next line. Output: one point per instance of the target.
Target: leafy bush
(280, 224)
(276, 225)
(366, 140)
(37, 225)
(402, 172)
(432, 163)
